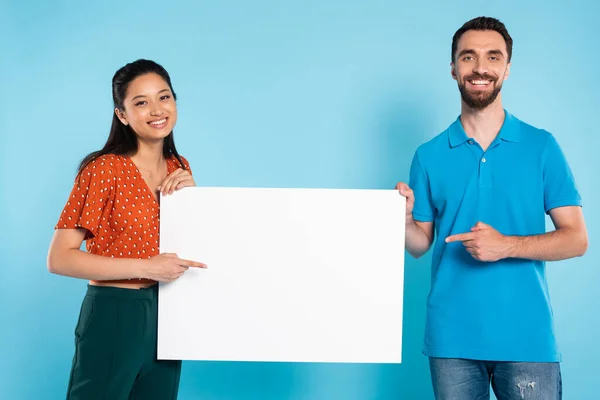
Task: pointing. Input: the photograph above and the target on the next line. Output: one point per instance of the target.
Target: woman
(114, 207)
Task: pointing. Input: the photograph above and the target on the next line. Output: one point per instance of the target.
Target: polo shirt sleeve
(91, 195)
(423, 209)
(559, 184)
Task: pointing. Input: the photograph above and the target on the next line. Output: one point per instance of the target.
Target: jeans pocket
(85, 316)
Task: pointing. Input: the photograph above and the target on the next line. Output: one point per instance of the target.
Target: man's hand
(407, 192)
(484, 243)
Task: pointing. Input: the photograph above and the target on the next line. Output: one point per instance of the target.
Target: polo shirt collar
(510, 131)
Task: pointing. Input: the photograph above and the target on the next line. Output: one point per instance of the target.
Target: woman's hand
(167, 267)
(180, 178)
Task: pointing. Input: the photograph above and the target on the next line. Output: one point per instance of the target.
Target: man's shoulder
(530, 133)
(435, 144)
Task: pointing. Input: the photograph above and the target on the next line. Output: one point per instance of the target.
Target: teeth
(160, 122)
(480, 82)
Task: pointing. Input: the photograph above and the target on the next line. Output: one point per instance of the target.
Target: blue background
(324, 94)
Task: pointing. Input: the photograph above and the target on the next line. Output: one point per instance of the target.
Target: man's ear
(507, 72)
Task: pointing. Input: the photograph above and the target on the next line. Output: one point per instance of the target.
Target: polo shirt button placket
(485, 177)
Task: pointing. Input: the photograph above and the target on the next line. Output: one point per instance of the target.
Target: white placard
(294, 275)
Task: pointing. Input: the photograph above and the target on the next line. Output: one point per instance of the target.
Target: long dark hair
(122, 139)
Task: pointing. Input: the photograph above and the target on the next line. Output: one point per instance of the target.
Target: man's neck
(483, 125)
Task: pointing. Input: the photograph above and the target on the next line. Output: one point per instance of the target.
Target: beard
(480, 99)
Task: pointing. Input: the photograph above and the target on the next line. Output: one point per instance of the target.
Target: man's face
(480, 67)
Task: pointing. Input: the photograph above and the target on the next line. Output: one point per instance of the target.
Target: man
(484, 186)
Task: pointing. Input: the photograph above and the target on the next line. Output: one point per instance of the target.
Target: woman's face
(149, 108)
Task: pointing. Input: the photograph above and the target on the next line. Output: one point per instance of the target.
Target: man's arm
(569, 240)
(418, 235)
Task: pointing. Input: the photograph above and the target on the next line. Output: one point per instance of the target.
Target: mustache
(482, 77)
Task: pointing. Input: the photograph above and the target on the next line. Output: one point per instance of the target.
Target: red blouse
(114, 204)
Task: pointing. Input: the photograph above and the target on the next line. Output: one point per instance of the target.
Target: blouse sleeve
(92, 193)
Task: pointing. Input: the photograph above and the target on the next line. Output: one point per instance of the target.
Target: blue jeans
(458, 379)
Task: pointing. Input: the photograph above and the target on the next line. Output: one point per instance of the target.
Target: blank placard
(294, 275)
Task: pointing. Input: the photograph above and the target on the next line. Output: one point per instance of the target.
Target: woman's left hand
(178, 179)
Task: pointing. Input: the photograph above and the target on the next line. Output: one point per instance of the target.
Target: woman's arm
(66, 258)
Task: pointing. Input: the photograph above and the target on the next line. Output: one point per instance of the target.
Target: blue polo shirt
(496, 311)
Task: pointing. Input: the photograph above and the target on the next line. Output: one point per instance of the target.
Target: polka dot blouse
(114, 204)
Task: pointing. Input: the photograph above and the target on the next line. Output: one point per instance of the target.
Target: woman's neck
(149, 156)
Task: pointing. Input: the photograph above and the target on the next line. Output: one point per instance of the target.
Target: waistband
(108, 291)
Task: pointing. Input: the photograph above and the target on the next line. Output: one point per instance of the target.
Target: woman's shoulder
(176, 162)
(104, 167)
(185, 162)
(107, 161)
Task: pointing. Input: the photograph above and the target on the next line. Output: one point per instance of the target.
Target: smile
(479, 82)
(158, 123)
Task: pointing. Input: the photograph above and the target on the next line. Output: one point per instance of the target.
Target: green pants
(115, 348)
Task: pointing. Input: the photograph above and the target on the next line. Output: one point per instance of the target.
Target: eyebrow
(143, 95)
(471, 51)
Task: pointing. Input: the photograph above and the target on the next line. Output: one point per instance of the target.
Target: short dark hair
(483, 24)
